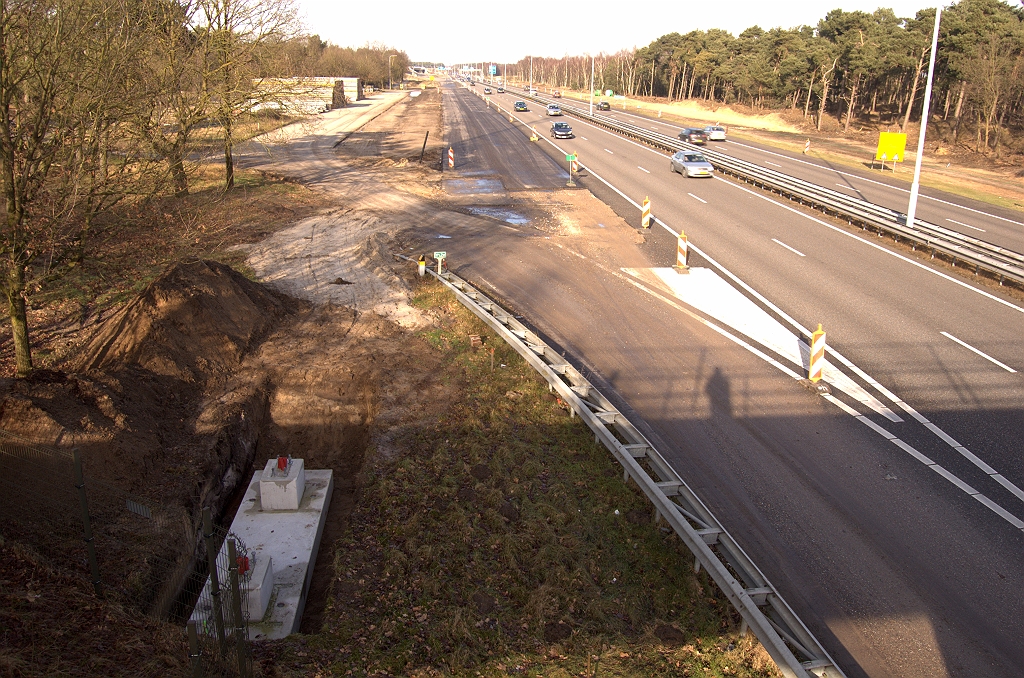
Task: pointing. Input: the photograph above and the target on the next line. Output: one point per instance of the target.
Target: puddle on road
(473, 186)
(506, 215)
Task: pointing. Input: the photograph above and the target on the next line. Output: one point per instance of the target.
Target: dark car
(604, 106)
(520, 107)
(501, 90)
(694, 136)
(561, 130)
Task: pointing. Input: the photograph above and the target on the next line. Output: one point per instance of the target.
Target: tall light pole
(591, 84)
(531, 75)
(390, 82)
(916, 185)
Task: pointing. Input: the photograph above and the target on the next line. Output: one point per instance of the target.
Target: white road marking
(839, 356)
(960, 223)
(1013, 520)
(849, 188)
(607, 151)
(880, 183)
(797, 252)
(772, 164)
(987, 357)
(583, 138)
(960, 484)
(696, 198)
(642, 169)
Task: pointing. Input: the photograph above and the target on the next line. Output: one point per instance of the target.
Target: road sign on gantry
(891, 146)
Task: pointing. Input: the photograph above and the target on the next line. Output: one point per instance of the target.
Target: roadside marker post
(817, 359)
(441, 258)
(422, 265)
(534, 137)
(573, 167)
(807, 147)
(451, 158)
(645, 213)
(682, 254)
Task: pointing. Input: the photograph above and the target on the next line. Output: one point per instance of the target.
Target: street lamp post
(390, 81)
(916, 185)
(531, 75)
(591, 84)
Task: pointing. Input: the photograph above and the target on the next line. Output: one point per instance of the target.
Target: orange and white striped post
(451, 158)
(645, 213)
(807, 147)
(817, 361)
(682, 254)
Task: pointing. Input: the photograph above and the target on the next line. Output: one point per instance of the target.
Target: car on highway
(691, 164)
(694, 135)
(604, 106)
(554, 109)
(487, 90)
(531, 90)
(561, 130)
(715, 132)
(501, 90)
(520, 107)
(556, 94)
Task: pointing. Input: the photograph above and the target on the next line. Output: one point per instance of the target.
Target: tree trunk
(959, 109)
(229, 161)
(824, 97)
(14, 290)
(849, 108)
(810, 89)
(913, 92)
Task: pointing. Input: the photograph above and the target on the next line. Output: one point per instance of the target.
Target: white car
(715, 132)
(554, 109)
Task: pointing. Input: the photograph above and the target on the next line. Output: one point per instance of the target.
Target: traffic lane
(484, 143)
(852, 551)
(842, 287)
(973, 218)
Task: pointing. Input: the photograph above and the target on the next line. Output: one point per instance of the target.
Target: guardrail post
(90, 546)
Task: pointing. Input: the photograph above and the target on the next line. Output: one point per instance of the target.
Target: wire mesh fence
(152, 557)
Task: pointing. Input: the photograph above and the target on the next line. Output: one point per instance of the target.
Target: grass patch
(501, 540)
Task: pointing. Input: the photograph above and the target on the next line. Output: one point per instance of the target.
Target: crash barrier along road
(789, 643)
(1002, 263)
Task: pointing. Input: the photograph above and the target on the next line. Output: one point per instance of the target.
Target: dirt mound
(198, 317)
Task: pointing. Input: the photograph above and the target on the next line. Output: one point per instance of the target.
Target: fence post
(194, 653)
(90, 546)
(236, 604)
(211, 559)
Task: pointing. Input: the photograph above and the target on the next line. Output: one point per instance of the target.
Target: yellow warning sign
(892, 146)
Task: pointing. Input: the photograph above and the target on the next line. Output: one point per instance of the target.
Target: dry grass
(500, 539)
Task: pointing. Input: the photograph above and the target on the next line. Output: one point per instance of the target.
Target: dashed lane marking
(794, 251)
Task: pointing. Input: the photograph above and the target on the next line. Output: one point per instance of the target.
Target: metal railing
(793, 648)
(1002, 263)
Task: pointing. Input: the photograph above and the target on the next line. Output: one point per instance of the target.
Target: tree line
(851, 66)
(107, 101)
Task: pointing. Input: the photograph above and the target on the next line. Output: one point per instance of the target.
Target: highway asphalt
(895, 564)
(998, 225)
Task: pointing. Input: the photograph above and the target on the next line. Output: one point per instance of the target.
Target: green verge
(501, 540)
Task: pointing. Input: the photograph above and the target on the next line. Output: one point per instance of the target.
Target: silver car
(715, 132)
(553, 109)
(691, 164)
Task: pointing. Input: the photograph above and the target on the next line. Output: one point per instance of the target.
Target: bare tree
(241, 34)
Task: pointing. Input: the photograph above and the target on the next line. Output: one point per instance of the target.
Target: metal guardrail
(998, 261)
(793, 648)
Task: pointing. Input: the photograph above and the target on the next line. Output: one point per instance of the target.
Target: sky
(460, 31)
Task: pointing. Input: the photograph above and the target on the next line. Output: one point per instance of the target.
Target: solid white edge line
(910, 410)
(794, 251)
(983, 355)
(696, 198)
